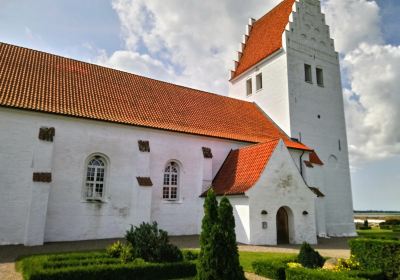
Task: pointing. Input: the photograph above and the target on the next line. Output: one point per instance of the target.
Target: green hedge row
(274, 269)
(77, 256)
(79, 262)
(316, 274)
(117, 271)
(377, 254)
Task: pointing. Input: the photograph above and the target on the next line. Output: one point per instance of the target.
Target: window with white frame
(171, 181)
(249, 87)
(259, 81)
(95, 178)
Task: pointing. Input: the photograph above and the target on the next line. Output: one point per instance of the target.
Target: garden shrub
(207, 267)
(310, 258)
(317, 274)
(228, 262)
(274, 269)
(126, 254)
(115, 249)
(383, 255)
(152, 244)
(347, 264)
(149, 271)
(82, 262)
(370, 275)
(190, 255)
(77, 256)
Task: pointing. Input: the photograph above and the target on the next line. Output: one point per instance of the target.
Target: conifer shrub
(207, 264)
(228, 265)
(152, 244)
(309, 258)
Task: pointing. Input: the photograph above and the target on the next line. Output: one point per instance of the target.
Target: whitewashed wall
(273, 97)
(281, 185)
(69, 216)
(316, 113)
(295, 106)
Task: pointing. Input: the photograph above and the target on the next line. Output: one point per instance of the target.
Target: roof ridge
(274, 8)
(255, 145)
(125, 72)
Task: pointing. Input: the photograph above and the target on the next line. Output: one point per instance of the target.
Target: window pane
(89, 190)
(100, 175)
(99, 190)
(174, 179)
(166, 179)
(249, 87)
(307, 73)
(165, 192)
(259, 81)
(174, 192)
(320, 77)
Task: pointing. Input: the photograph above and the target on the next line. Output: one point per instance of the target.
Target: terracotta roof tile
(315, 159)
(265, 37)
(43, 82)
(242, 168)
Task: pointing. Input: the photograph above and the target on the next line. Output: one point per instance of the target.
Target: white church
(86, 151)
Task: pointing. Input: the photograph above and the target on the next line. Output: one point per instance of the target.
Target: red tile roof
(242, 168)
(315, 159)
(265, 37)
(43, 82)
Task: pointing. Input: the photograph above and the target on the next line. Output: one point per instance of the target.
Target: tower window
(340, 145)
(307, 73)
(249, 87)
(320, 77)
(259, 82)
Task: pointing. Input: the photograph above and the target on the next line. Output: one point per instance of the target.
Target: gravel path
(333, 247)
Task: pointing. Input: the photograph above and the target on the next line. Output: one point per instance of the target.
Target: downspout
(301, 165)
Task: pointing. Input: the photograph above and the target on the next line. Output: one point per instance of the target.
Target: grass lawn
(247, 258)
(376, 232)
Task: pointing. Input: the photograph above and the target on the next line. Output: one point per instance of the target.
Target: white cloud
(193, 41)
(372, 95)
(353, 22)
(373, 116)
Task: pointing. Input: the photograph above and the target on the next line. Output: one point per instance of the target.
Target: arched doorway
(282, 226)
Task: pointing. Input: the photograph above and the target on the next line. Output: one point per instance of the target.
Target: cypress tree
(227, 250)
(207, 265)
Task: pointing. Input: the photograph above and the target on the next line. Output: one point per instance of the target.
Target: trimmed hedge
(77, 256)
(274, 269)
(79, 262)
(371, 275)
(118, 271)
(316, 274)
(375, 254)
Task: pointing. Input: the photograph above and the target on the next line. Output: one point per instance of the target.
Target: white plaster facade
(280, 185)
(311, 113)
(27, 216)
(32, 213)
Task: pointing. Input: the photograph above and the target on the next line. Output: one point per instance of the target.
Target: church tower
(288, 66)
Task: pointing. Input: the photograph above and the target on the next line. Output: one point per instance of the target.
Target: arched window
(95, 178)
(171, 181)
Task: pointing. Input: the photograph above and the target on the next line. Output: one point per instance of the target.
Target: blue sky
(192, 43)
